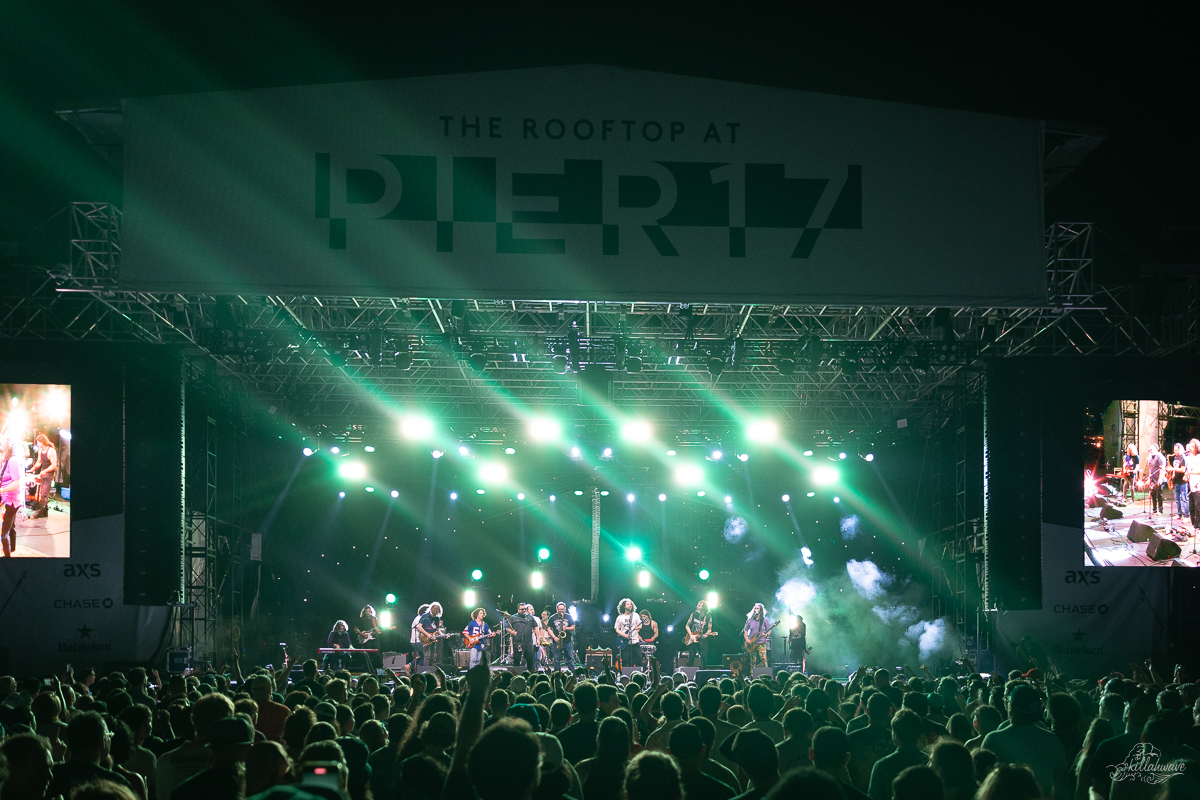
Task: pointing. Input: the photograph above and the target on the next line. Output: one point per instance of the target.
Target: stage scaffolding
(831, 375)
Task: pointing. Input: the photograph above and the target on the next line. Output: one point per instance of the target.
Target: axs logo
(1086, 576)
(85, 571)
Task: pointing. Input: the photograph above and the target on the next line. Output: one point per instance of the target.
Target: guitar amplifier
(395, 661)
(462, 658)
(594, 659)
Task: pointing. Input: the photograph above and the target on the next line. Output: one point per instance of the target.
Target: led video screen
(35, 470)
(1141, 461)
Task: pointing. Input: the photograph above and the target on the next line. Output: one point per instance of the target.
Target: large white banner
(1092, 620)
(69, 611)
(581, 182)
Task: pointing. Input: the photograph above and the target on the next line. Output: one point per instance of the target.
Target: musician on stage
(647, 635)
(756, 631)
(1156, 465)
(1129, 472)
(430, 625)
(367, 627)
(339, 639)
(1176, 470)
(545, 640)
(798, 642)
(564, 632)
(418, 648)
(1191, 461)
(626, 627)
(477, 628)
(43, 472)
(522, 627)
(699, 628)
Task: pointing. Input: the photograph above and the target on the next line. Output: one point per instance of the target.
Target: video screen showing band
(1141, 483)
(35, 470)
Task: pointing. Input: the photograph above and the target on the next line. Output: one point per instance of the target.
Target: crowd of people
(494, 735)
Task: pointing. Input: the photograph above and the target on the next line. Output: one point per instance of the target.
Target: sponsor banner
(1092, 621)
(69, 611)
(581, 183)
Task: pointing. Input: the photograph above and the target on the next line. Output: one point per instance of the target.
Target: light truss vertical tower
(198, 616)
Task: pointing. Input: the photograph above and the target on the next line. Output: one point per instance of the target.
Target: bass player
(756, 634)
(696, 632)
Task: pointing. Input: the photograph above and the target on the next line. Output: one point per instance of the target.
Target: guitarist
(478, 630)
(427, 628)
(756, 633)
(367, 627)
(699, 628)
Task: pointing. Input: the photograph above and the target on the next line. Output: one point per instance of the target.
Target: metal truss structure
(343, 366)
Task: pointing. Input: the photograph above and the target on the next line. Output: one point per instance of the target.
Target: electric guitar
(750, 644)
(430, 638)
(470, 641)
(690, 638)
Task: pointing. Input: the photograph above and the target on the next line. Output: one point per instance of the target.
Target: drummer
(648, 634)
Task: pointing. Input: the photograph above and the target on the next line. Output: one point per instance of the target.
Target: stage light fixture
(493, 473)
(716, 455)
(395, 494)
(812, 494)
(630, 497)
(837, 499)
(552, 498)
(574, 612)
(520, 495)
(543, 429)
(743, 457)
(543, 554)
(633, 553)
(808, 452)
(604, 493)
(335, 449)
(842, 456)
(662, 496)
(476, 574)
(341, 494)
(606, 618)
(385, 619)
(509, 451)
(454, 495)
(579, 492)
(823, 476)
(469, 598)
(869, 457)
(436, 453)
(728, 499)
(704, 574)
(353, 470)
(64, 434)
(713, 599)
(670, 452)
(606, 452)
(670, 629)
(308, 451)
(370, 490)
(689, 475)
(463, 450)
(416, 428)
(763, 430)
(700, 493)
(537, 580)
(390, 598)
(560, 364)
(480, 491)
(369, 449)
(644, 578)
(633, 364)
(786, 498)
(576, 453)
(636, 431)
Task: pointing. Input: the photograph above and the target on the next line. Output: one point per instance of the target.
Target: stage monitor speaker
(394, 661)
(689, 672)
(1139, 532)
(462, 658)
(1096, 501)
(760, 671)
(705, 675)
(1108, 512)
(1160, 549)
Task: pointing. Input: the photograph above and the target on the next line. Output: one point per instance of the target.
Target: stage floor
(1107, 539)
(47, 537)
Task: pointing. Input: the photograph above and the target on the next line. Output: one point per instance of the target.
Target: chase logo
(669, 194)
